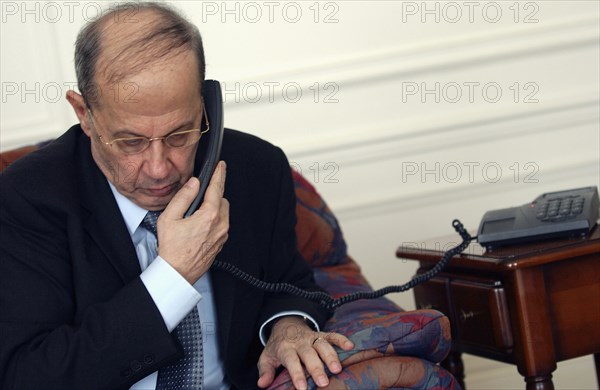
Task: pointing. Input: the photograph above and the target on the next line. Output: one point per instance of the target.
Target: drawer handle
(465, 315)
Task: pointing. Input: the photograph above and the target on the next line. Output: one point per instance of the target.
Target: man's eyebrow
(125, 133)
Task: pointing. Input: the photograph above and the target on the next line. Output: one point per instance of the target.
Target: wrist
(297, 321)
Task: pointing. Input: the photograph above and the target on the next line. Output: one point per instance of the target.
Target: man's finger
(182, 200)
(329, 356)
(292, 363)
(266, 373)
(337, 339)
(314, 366)
(216, 187)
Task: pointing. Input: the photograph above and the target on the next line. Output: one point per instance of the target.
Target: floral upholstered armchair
(393, 348)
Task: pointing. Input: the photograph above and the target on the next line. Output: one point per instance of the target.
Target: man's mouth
(161, 191)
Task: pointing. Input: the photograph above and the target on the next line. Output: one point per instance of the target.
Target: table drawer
(433, 295)
(481, 314)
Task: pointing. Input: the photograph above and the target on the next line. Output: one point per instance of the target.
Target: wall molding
(464, 127)
(467, 50)
(395, 201)
(45, 118)
(456, 132)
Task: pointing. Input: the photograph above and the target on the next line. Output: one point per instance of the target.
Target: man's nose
(157, 164)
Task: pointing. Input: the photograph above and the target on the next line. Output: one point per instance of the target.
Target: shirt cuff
(173, 295)
(262, 332)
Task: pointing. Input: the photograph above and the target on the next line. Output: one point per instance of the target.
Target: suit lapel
(104, 221)
(223, 283)
(224, 286)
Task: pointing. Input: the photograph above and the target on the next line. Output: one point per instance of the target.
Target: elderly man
(88, 297)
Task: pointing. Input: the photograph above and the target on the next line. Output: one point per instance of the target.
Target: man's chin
(152, 203)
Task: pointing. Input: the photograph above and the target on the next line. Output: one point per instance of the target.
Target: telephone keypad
(559, 209)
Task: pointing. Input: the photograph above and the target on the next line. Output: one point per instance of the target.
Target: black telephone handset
(213, 106)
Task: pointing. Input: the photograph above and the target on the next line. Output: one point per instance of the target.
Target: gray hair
(172, 32)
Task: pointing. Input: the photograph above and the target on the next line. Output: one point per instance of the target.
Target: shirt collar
(132, 213)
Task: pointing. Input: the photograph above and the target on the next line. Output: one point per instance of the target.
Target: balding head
(129, 39)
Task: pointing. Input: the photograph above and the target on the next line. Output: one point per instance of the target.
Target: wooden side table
(531, 305)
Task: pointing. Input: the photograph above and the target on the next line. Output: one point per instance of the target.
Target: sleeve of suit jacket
(262, 242)
(286, 264)
(263, 210)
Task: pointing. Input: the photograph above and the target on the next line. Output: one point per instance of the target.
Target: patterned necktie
(185, 373)
(149, 222)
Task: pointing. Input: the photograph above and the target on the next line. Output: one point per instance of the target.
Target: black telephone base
(560, 214)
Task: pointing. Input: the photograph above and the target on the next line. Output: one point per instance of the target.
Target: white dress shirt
(175, 297)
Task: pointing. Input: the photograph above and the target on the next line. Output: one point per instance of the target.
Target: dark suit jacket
(74, 313)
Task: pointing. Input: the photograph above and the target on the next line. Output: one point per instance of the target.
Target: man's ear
(81, 110)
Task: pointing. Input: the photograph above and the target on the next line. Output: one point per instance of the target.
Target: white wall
(411, 113)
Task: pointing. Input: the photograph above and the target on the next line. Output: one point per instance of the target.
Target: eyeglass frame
(109, 143)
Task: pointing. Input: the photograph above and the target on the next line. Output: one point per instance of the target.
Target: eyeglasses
(178, 139)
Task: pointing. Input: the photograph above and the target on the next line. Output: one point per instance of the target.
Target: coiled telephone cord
(328, 302)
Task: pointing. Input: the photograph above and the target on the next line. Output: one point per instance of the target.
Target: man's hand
(293, 344)
(190, 245)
